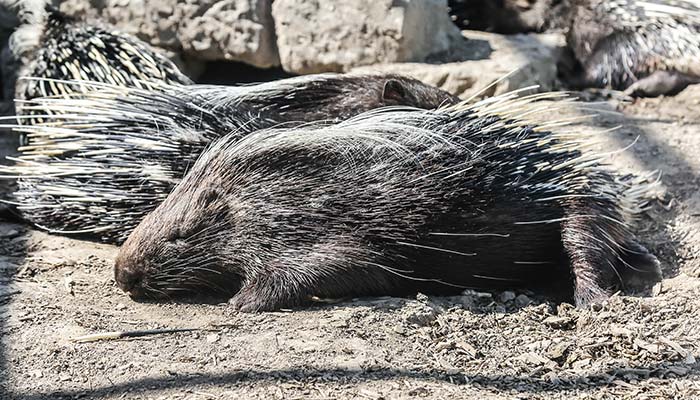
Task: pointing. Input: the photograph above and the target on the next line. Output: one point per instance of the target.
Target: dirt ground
(486, 345)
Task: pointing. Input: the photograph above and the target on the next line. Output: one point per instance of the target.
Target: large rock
(531, 60)
(334, 36)
(233, 30)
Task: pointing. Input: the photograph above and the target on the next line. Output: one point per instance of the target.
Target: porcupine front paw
(250, 302)
(267, 294)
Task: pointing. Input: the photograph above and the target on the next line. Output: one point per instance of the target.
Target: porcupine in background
(47, 48)
(54, 46)
(647, 48)
(501, 16)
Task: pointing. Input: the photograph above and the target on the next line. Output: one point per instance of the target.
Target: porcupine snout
(129, 279)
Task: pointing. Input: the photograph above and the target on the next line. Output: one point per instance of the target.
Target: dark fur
(181, 121)
(388, 204)
(501, 16)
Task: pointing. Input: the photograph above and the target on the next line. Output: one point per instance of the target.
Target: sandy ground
(491, 345)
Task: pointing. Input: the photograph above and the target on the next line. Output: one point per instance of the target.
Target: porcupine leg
(266, 293)
(604, 256)
(331, 270)
(285, 289)
(661, 83)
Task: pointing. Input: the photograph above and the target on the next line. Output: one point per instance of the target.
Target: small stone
(657, 289)
(619, 331)
(484, 296)
(213, 338)
(9, 234)
(558, 350)
(68, 285)
(339, 323)
(120, 307)
(64, 376)
(536, 359)
(506, 296)
(581, 364)
(522, 300)
(558, 322)
(422, 317)
(37, 373)
(468, 348)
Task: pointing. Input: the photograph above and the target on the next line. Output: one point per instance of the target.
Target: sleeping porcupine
(389, 203)
(647, 48)
(109, 155)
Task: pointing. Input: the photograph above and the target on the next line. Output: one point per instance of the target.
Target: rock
(558, 351)
(535, 359)
(420, 314)
(558, 322)
(334, 36)
(9, 234)
(620, 331)
(212, 338)
(532, 60)
(232, 30)
(522, 300)
(506, 296)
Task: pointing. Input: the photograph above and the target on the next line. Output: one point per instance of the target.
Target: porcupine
(111, 154)
(647, 48)
(52, 47)
(389, 203)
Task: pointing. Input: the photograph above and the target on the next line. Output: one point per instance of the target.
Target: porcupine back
(392, 202)
(108, 154)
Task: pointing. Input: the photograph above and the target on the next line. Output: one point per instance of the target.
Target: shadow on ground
(523, 385)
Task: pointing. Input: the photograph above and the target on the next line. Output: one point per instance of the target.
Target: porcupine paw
(263, 296)
(660, 83)
(638, 268)
(247, 302)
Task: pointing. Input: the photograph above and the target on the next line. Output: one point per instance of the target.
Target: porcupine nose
(129, 280)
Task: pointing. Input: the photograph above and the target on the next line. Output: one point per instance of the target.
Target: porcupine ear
(393, 91)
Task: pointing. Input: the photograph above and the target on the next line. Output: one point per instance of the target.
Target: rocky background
(280, 37)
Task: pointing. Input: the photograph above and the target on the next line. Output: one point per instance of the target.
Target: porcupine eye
(174, 236)
(209, 197)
